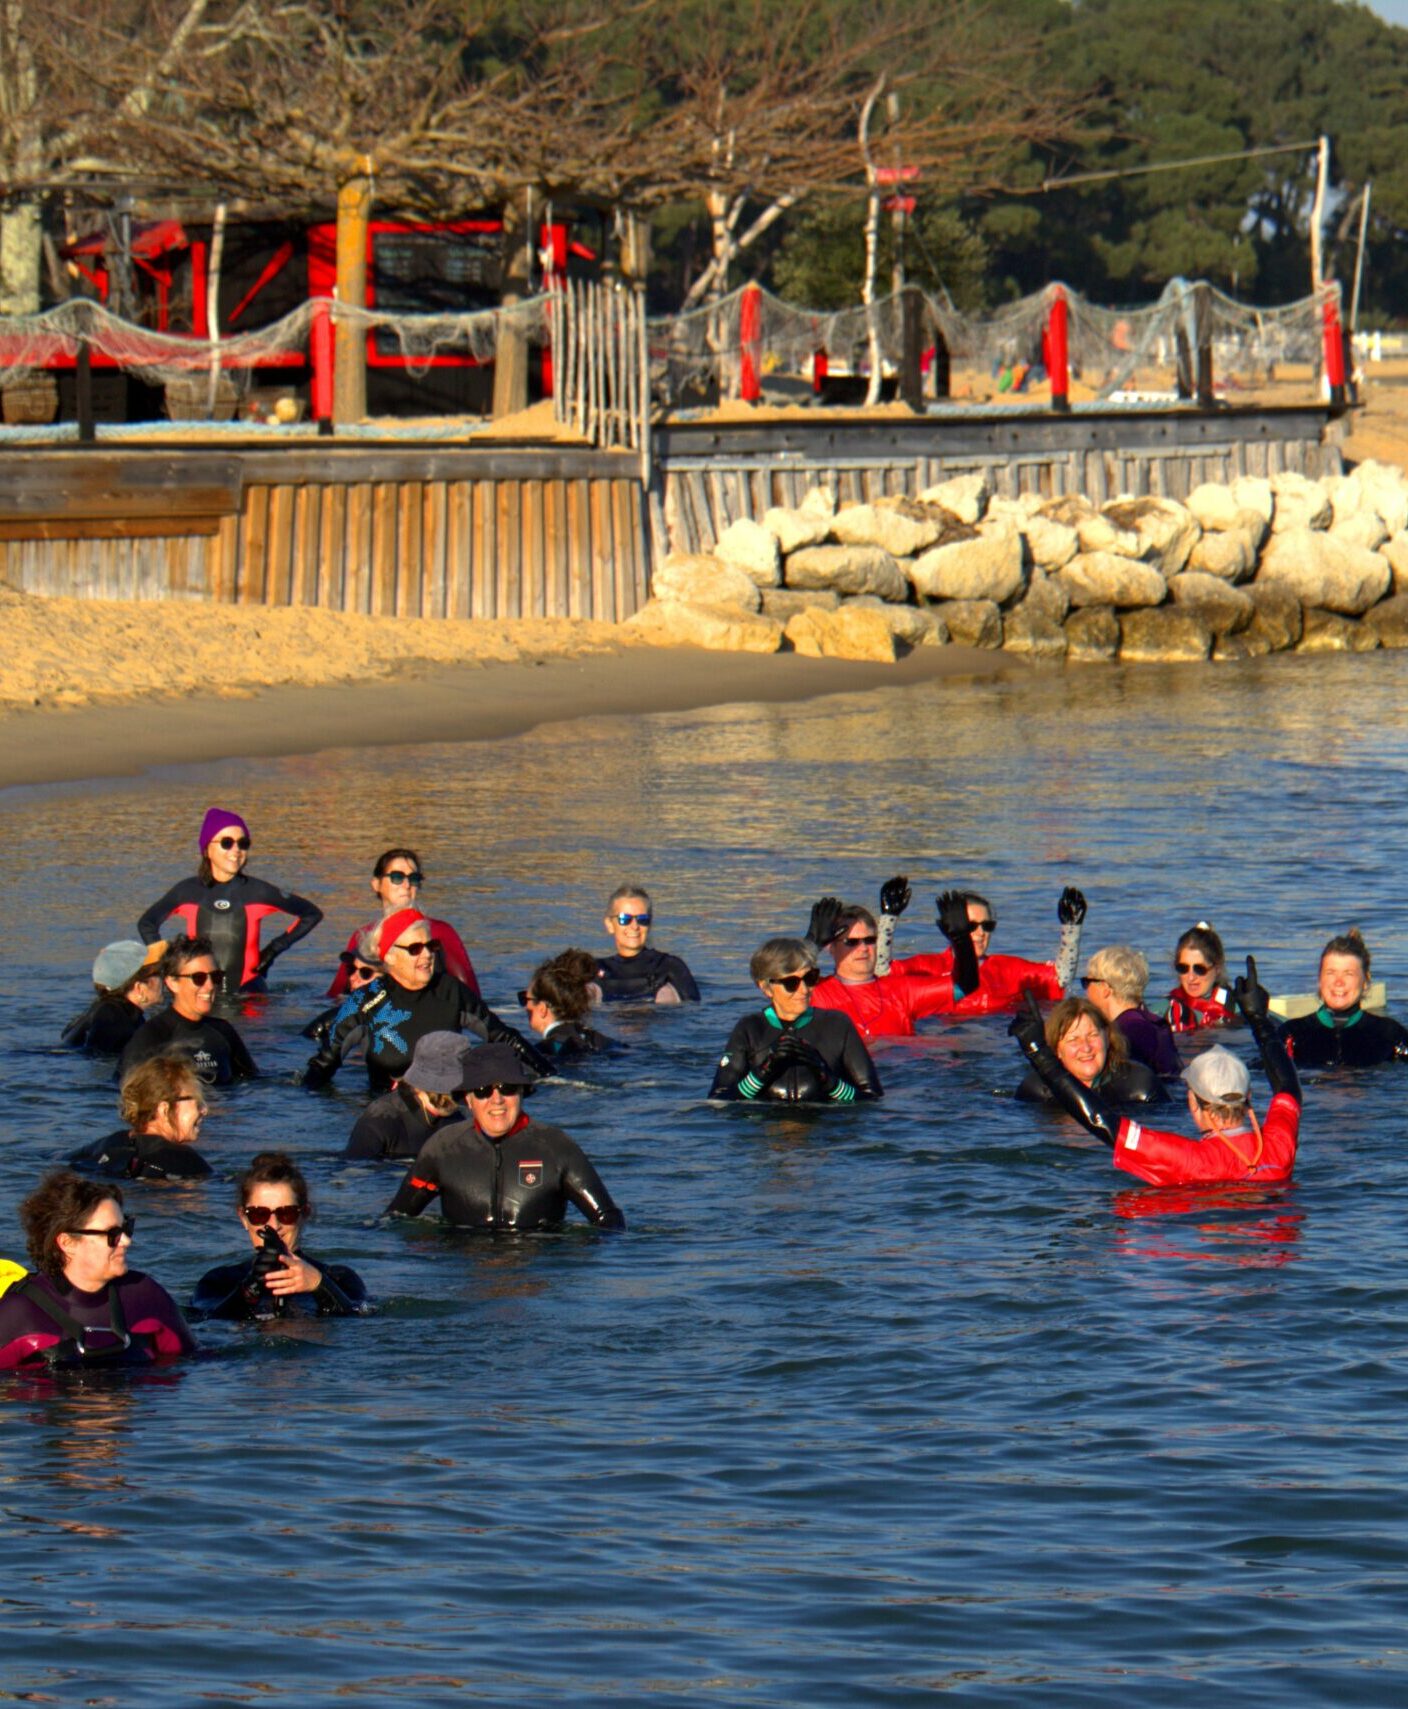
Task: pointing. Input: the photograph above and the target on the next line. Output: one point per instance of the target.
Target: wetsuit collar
(1329, 1017)
(518, 1127)
(771, 1017)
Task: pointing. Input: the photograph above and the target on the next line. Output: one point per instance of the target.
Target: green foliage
(820, 262)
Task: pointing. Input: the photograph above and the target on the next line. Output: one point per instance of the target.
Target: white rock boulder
(1105, 578)
(848, 569)
(1325, 572)
(986, 567)
(749, 547)
(966, 496)
(1300, 503)
(673, 623)
(701, 580)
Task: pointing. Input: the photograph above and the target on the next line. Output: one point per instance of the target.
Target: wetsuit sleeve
(926, 995)
(1079, 1101)
(305, 914)
(241, 1062)
(858, 1068)
(341, 980)
(341, 1292)
(734, 1077)
(682, 979)
(586, 1189)
(421, 1185)
(454, 956)
(230, 1290)
(478, 1017)
(343, 1032)
(150, 924)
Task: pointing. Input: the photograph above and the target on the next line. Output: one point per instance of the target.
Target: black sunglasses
(525, 998)
(287, 1215)
(112, 1235)
(201, 978)
(983, 925)
(396, 876)
(233, 842)
(851, 942)
(431, 946)
(791, 981)
(509, 1091)
(1191, 967)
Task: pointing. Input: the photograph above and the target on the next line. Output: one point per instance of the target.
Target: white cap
(1217, 1076)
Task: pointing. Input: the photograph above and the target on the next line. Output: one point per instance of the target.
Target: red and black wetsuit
(1002, 982)
(888, 1005)
(1171, 1160)
(524, 1180)
(130, 1321)
(230, 915)
(1186, 1013)
(454, 957)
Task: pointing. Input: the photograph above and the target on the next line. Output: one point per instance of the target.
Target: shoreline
(438, 703)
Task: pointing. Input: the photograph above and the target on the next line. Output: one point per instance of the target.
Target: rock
(793, 529)
(785, 602)
(1300, 503)
(971, 622)
(1363, 528)
(1092, 634)
(819, 501)
(1045, 597)
(673, 623)
(1329, 632)
(1100, 533)
(700, 580)
(1323, 571)
(1070, 510)
(966, 496)
(1230, 555)
(1228, 649)
(1033, 632)
(1104, 578)
(900, 526)
(1166, 530)
(1213, 506)
(1219, 607)
(1394, 552)
(909, 625)
(848, 569)
(988, 566)
(1147, 637)
(1050, 543)
(1386, 489)
(1389, 621)
(846, 633)
(749, 547)
(1254, 494)
(1277, 619)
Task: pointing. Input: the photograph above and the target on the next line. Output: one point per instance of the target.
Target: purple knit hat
(216, 820)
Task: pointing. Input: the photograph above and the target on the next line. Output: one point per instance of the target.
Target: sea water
(866, 1406)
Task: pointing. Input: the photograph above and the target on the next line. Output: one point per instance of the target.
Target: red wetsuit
(1185, 1013)
(888, 1005)
(454, 957)
(1002, 980)
(1171, 1160)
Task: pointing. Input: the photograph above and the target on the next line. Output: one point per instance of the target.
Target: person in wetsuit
(396, 881)
(793, 1053)
(227, 907)
(1203, 994)
(500, 1169)
(408, 1000)
(423, 1100)
(279, 1281)
(990, 984)
(127, 983)
(1341, 1034)
(878, 1005)
(1234, 1146)
(557, 1000)
(163, 1104)
(188, 1028)
(1095, 1054)
(1115, 979)
(82, 1306)
(636, 973)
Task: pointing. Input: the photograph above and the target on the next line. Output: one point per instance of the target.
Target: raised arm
(1070, 913)
(1254, 1001)
(1029, 1030)
(894, 899)
(958, 929)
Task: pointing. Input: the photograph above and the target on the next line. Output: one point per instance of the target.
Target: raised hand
(1252, 997)
(953, 915)
(823, 927)
(1070, 910)
(1027, 1025)
(894, 895)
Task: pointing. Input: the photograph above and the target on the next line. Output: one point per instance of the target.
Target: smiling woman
(188, 1027)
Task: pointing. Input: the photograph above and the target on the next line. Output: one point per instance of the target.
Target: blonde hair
(1122, 968)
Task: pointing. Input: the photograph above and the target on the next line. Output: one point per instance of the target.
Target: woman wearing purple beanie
(224, 904)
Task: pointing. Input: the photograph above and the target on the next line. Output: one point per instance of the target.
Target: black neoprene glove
(270, 1256)
(894, 895)
(542, 1065)
(953, 916)
(823, 926)
(1070, 910)
(792, 1049)
(1027, 1026)
(1251, 996)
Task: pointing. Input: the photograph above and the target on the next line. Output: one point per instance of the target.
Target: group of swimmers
(450, 1106)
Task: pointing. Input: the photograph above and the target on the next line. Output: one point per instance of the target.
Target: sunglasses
(233, 842)
(983, 925)
(112, 1235)
(1089, 979)
(633, 919)
(201, 978)
(285, 1215)
(396, 876)
(525, 998)
(362, 973)
(790, 982)
(1191, 967)
(513, 1091)
(855, 943)
(429, 947)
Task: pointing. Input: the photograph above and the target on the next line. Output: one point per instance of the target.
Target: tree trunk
(354, 201)
(21, 256)
(872, 246)
(511, 345)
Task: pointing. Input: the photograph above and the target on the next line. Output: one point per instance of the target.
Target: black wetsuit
(140, 1157)
(130, 1321)
(105, 1027)
(386, 1020)
(750, 1068)
(637, 978)
(1355, 1040)
(571, 1038)
(1129, 1083)
(214, 1048)
(524, 1180)
(394, 1125)
(230, 915)
(237, 1291)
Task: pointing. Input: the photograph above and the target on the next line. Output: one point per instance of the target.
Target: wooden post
(354, 201)
(83, 393)
(750, 335)
(1202, 333)
(323, 365)
(511, 345)
(1334, 344)
(1057, 351)
(912, 348)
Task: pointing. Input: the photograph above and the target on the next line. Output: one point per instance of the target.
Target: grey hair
(780, 956)
(368, 948)
(1122, 968)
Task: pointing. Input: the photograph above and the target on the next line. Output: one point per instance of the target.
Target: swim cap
(216, 820)
(1217, 1076)
(392, 927)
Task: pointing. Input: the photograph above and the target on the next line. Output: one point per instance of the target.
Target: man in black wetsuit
(637, 973)
(500, 1169)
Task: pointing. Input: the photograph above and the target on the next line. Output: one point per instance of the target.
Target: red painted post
(750, 334)
(321, 353)
(1057, 351)
(1334, 345)
(821, 368)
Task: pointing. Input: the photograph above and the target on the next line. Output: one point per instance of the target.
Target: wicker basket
(32, 401)
(188, 398)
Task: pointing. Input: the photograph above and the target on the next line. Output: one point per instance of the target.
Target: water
(864, 1407)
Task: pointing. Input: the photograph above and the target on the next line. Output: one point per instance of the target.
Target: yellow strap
(10, 1274)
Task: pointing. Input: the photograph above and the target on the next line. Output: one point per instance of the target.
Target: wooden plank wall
(703, 495)
(554, 547)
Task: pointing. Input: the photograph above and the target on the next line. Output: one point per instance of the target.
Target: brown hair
(273, 1169)
(561, 982)
(1349, 943)
(60, 1202)
(1065, 1015)
(157, 1081)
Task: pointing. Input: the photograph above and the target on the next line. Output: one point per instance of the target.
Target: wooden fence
(601, 366)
